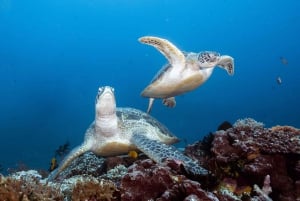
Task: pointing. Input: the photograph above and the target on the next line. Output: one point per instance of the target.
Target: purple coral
(248, 152)
(147, 180)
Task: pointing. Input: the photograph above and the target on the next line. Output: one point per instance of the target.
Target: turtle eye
(100, 90)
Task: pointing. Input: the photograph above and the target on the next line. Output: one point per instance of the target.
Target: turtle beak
(105, 101)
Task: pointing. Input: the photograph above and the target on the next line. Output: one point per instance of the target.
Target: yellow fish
(133, 154)
(53, 164)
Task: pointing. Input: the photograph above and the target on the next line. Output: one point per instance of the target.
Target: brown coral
(22, 190)
(103, 190)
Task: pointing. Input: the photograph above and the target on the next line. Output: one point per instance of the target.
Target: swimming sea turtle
(117, 131)
(184, 72)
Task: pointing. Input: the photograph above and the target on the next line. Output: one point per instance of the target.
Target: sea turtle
(117, 131)
(184, 72)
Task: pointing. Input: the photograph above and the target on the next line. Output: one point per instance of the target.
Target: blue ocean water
(55, 54)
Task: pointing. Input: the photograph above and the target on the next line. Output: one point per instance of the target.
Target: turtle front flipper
(227, 63)
(170, 51)
(159, 152)
(76, 152)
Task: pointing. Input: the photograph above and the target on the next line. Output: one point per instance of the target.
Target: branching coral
(263, 194)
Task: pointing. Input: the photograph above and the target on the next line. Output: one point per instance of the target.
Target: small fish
(62, 150)
(284, 61)
(279, 80)
(53, 164)
(133, 154)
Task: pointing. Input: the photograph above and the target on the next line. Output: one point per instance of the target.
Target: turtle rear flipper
(159, 152)
(169, 102)
(77, 151)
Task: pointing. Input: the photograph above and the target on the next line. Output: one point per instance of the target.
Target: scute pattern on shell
(140, 119)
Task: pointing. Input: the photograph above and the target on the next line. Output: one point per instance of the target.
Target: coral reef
(247, 162)
(115, 174)
(248, 152)
(147, 180)
(25, 186)
(94, 190)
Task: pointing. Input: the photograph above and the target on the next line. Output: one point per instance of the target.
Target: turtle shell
(161, 72)
(143, 119)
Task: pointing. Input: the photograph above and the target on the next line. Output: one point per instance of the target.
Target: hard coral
(260, 151)
(186, 190)
(27, 188)
(94, 191)
(248, 151)
(250, 140)
(144, 181)
(147, 180)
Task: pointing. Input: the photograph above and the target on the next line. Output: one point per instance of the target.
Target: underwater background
(55, 54)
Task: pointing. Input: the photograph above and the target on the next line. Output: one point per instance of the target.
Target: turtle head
(208, 59)
(105, 102)
(227, 62)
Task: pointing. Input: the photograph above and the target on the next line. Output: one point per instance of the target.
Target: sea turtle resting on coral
(184, 72)
(117, 131)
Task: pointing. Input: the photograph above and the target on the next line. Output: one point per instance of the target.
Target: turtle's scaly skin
(114, 131)
(185, 71)
(160, 152)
